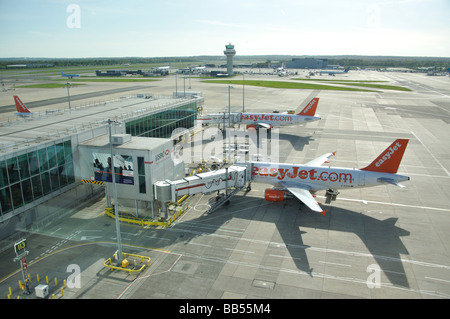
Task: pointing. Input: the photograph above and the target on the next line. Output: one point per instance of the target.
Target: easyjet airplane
(22, 110)
(265, 120)
(303, 180)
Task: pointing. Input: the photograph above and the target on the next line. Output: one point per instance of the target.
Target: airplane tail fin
(21, 108)
(389, 160)
(346, 70)
(310, 109)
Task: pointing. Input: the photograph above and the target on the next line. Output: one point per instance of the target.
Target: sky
(149, 28)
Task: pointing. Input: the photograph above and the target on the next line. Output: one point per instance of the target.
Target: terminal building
(51, 162)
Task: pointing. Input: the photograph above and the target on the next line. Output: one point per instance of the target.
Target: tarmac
(374, 243)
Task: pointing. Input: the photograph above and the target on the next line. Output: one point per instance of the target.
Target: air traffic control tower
(230, 52)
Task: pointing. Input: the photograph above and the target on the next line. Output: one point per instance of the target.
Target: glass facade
(163, 123)
(27, 177)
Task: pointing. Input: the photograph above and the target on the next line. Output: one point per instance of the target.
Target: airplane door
(362, 179)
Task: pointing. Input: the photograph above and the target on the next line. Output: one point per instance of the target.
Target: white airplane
(160, 68)
(265, 120)
(198, 68)
(22, 110)
(279, 69)
(303, 180)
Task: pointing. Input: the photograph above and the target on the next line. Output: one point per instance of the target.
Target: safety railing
(126, 218)
(125, 263)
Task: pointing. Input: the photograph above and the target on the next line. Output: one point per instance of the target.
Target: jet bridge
(232, 179)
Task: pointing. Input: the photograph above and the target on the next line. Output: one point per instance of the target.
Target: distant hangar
(307, 63)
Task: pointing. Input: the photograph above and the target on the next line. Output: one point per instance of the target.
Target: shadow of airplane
(297, 142)
(381, 237)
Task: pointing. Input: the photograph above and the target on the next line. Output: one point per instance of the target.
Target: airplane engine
(251, 127)
(274, 195)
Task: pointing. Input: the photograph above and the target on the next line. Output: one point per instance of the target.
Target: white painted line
(285, 257)
(437, 161)
(437, 279)
(55, 231)
(198, 244)
(395, 272)
(239, 250)
(326, 262)
(159, 238)
(390, 204)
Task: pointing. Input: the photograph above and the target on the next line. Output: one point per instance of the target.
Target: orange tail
(310, 109)
(21, 108)
(389, 160)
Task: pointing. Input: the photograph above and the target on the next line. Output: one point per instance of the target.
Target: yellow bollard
(62, 292)
(64, 283)
(53, 296)
(37, 277)
(46, 279)
(29, 277)
(56, 282)
(9, 296)
(10, 291)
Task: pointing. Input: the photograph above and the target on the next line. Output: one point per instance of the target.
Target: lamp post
(116, 205)
(176, 85)
(229, 120)
(68, 95)
(243, 92)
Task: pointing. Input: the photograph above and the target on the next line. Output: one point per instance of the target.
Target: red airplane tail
(20, 106)
(389, 160)
(310, 109)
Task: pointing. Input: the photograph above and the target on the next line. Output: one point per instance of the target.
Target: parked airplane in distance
(22, 110)
(302, 181)
(334, 72)
(265, 120)
(199, 68)
(160, 68)
(70, 76)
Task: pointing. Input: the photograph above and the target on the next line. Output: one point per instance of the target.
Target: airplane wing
(265, 125)
(320, 160)
(304, 195)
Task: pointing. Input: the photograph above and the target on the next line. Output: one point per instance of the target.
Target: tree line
(347, 61)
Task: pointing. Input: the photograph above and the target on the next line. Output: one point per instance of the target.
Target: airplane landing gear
(331, 195)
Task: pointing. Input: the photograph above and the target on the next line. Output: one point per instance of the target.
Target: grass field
(46, 86)
(328, 80)
(288, 85)
(101, 79)
(366, 84)
(377, 86)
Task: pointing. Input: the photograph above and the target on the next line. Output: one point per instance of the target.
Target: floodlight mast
(116, 205)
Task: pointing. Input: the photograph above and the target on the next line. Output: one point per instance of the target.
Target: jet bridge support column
(163, 194)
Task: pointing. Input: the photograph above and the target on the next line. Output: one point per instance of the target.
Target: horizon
(116, 29)
(319, 56)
